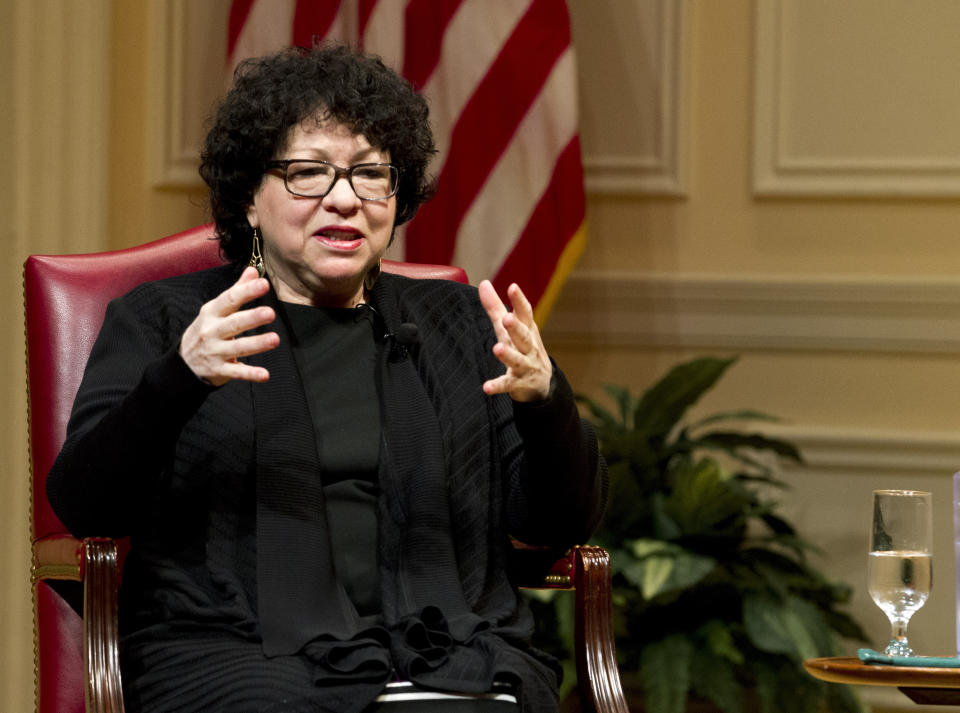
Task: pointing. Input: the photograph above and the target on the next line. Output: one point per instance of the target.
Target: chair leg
(597, 673)
(101, 637)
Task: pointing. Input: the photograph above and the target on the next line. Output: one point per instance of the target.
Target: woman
(320, 467)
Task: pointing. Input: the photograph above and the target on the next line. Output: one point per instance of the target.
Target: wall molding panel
(652, 161)
(874, 453)
(858, 111)
(174, 162)
(188, 59)
(762, 312)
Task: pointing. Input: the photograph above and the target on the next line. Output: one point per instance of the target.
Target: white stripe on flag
(268, 28)
(472, 42)
(384, 33)
(500, 211)
(343, 28)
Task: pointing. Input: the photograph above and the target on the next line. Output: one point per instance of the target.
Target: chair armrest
(94, 562)
(100, 630)
(586, 570)
(597, 673)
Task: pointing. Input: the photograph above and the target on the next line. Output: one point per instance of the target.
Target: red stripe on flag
(557, 216)
(239, 10)
(364, 11)
(424, 23)
(313, 18)
(486, 126)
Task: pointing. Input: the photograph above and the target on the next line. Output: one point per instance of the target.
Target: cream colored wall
(56, 68)
(16, 667)
(835, 281)
(140, 210)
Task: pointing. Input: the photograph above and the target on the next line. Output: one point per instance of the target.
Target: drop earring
(371, 277)
(256, 259)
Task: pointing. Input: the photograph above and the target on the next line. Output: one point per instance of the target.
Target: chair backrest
(65, 297)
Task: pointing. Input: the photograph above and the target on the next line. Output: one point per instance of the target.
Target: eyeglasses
(315, 179)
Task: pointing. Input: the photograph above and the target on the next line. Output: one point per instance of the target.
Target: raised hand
(519, 346)
(209, 345)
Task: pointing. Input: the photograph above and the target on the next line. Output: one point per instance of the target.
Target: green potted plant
(714, 596)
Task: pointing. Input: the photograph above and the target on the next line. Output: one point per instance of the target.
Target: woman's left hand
(519, 346)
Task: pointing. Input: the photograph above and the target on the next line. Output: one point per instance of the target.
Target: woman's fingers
(210, 346)
(521, 305)
(238, 371)
(519, 347)
(244, 320)
(248, 287)
(494, 307)
(248, 346)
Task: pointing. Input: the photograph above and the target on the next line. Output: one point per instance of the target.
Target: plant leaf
(714, 677)
(741, 415)
(720, 640)
(766, 479)
(845, 626)
(783, 687)
(627, 507)
(664, 526)
(703, 497)
(815, 626)
(665, 672)
(626, 403)
(604, 419)
(665, 403)
(731, 441)
(662, 567)
(778, 525)
(656, 572)
(776, 628)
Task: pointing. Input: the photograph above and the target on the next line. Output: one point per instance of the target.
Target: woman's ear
(252, 217)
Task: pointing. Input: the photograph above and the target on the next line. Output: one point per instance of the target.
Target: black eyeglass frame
(339, 172)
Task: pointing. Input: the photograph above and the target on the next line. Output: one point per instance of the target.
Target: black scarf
(448, 608)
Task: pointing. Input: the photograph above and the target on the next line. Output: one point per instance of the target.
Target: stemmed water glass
(899, 567)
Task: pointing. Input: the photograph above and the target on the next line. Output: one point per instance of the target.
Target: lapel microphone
(398, 342)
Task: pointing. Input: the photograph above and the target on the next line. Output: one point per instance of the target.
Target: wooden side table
(931, 686)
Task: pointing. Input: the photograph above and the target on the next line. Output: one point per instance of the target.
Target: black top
(336, 355)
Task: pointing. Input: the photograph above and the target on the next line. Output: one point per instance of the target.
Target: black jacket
(218, 489)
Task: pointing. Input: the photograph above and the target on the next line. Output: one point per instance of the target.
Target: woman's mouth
(339, 239)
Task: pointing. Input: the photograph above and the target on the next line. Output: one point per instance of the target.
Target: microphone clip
(398, 342)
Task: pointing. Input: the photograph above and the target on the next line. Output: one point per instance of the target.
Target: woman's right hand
(209, 346)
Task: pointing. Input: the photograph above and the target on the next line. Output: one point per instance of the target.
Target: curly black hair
(273, 94)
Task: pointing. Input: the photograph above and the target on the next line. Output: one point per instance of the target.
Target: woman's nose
(341, 197)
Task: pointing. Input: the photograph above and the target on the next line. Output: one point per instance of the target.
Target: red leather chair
(75, 624)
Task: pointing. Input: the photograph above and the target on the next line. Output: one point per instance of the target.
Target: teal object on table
(875, 657)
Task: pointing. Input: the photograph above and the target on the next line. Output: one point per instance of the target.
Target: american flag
(500, 79)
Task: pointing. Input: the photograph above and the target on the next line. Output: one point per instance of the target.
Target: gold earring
(371, 277)
(256, 259)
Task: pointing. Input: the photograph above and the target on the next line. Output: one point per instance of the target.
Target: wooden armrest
(585, 569)
(101, 636)
(597, 674)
